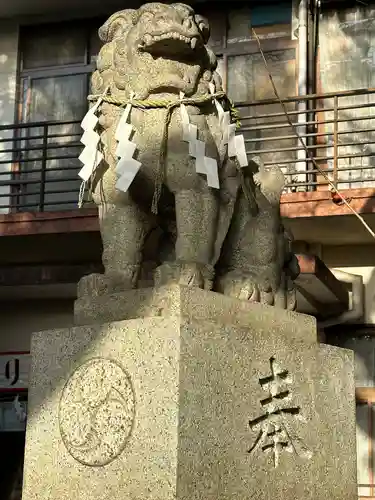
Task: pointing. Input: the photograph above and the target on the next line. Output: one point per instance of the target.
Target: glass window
(54, 99)
(50, 165)
(9, 420)
(217, 21)
(58, 98)
(53, 45)
(94, 45)
(248, 80)
(240, 78)
(239, 25)
(221, 69)
(274, 13)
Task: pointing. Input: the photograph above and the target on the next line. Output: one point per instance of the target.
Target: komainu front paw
(258, 289)
(95, 285)
(245, 287)
(92, 285)
(185, 274)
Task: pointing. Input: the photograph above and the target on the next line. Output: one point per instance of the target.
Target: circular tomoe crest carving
(96, 412)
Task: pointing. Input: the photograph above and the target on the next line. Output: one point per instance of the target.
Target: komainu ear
(203, 26)
(117, 24)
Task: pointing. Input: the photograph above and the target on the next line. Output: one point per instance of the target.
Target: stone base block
(187, 408)
(193, 303)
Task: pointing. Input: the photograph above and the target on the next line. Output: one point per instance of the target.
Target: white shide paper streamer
(127, 167)
(236, 143)
(203, 164)
(90, 156)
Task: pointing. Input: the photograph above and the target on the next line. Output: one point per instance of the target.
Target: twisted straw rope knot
(167, 104)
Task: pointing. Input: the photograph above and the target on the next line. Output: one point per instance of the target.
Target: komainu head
(157, 49)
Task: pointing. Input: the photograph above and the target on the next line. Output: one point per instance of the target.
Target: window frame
(25, 79)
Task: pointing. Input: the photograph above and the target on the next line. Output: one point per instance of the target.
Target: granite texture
(256, 261)
(196, 304)
(168, 407)
(229, 238)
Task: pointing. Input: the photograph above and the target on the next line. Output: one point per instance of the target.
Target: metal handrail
(338, 133)
(33, 171)
(39, 160)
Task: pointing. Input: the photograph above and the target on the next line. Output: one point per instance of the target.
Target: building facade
(321, 58)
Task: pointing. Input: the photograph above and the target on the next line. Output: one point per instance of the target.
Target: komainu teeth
(149, 39)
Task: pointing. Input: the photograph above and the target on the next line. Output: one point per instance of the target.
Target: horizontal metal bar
(308, 97)
(325, 183)
(27, 205)
(314, 146)
(354, 168)
(20, 126)
(27, 160)
(39, 170)
(37, 193)
(35, 137)
(68, 70)
(319, 159)
(30, 182)
(50, 192)
(304, 124)
(38, 148)
(303, 136)
(313, 110)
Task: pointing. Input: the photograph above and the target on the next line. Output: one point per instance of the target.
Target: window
(56, 63)
(347, 60)
(47, 46)
(245, 78)
(12, 437)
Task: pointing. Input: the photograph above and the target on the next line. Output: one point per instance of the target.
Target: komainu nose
(187, 23)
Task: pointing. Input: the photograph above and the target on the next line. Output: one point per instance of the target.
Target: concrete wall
(20, 319)
(8, 82)
(356, 259)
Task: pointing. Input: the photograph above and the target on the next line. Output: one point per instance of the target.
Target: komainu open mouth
(169, 43)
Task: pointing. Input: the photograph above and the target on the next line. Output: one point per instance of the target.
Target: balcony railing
(39, 166)
(39, 161)
(337, 129)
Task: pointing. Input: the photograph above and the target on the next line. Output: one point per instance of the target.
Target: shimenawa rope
(169, 106)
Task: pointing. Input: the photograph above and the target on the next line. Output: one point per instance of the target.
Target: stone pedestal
(204, 398)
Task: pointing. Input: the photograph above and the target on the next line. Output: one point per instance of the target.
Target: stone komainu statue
(217, 242)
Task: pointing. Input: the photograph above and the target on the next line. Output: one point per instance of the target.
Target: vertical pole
(370, 449)
(313, 42)
(44, 168)
(302, 91)
(335, 139)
